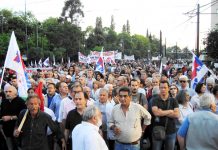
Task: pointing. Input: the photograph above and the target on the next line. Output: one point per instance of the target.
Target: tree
(128, 27)
(112, 26)
(211, 43)
(124, 28)
(72, 9)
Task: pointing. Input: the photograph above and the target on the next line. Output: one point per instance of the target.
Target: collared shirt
(185, 111)
(55, 105)
(129, 124)
(85, 136)
(66, 105)
(109, 108)
(195, 101)
(50, 113)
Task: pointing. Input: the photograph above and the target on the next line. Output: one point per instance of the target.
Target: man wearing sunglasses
(184, 85)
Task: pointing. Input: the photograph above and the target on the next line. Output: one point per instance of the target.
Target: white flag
(40, 63)
(46, 62)
(13, 61)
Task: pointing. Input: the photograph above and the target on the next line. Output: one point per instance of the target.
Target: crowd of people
(124, 108)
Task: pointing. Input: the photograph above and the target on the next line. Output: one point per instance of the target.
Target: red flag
(38, 91)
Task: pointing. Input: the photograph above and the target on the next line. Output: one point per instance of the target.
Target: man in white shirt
(85, 136)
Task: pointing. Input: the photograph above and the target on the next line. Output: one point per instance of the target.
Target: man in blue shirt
(198, 131)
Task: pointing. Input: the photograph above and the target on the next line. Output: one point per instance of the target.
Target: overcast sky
(154, 15)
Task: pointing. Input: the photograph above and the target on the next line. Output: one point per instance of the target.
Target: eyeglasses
(182, 81)
(125, 96)
(172, 88)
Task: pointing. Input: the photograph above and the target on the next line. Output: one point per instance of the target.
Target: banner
(129, 57)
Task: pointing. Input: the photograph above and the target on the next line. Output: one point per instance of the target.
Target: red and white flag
(14, 61)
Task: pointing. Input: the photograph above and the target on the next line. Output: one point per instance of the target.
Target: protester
(125, 121)
(198, 129)
(9, 111)
(33, 133)
(85, 136)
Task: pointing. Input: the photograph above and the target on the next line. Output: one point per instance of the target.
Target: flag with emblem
(100, 63)
(198, 71)
(14, 61)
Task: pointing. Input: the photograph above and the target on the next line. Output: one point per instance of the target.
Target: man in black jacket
(10, 109)
(33, 132)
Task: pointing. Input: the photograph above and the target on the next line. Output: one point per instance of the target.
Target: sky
(154, 15)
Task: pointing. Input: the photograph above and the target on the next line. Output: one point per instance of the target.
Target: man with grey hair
(198, 131)
(85, 136)
(9, 111)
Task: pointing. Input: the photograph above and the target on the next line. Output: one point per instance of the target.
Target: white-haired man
(9, 111)
(198, 131)
(85, 136)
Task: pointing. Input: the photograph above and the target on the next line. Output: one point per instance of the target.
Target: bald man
(10, 109)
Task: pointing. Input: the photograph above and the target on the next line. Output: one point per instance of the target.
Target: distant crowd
(131, 106)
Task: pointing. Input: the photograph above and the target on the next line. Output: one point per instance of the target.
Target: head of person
(49, 74)
(144, 75)
(14, 82)
(68, 78)
(95, 85)
(92, 115)
(90, 73)
(207, 101)
(79, 100)
(148, 82)
(155, 81)
(30, 91)
(125, 96)
(62, 77)
(102, 82)
(103, 95)
(33, 104)
(183, 80)
(109, 87)
(75, 89)
(164, 88)
(87, 90)
(210, 82)
(134, 86)
(51, 89)
(183, 97)
(82, 81)
(215, 91)
(200, 88)
(10, 92)
(121, 81)
(63, 88)
(115, 95)
(174, 90)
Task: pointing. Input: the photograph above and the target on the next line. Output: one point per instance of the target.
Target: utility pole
(161, 50)
(26, 37)
(1, 17)
(176, 53)
(165, 47)
(198, 26)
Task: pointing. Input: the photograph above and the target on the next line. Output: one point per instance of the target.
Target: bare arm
(159, 112)
(174, 114)
(181, 141)
(66, 134)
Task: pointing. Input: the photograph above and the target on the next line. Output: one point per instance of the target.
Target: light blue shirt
(55, 105)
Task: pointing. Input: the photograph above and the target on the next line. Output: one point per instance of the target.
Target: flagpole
(3, 72)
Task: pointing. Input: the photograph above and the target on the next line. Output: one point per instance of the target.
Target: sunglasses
(172, 88)
(182, 81)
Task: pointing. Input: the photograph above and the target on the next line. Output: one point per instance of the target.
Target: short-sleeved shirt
(171, 125)
(73, 119)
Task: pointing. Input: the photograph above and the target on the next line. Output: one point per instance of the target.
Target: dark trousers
(111, 144)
